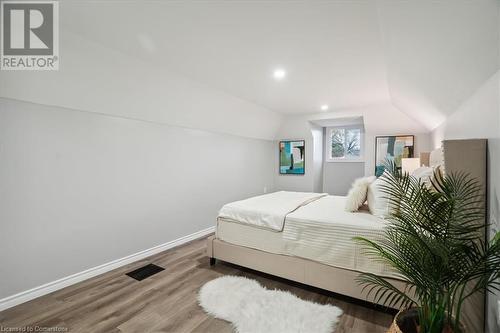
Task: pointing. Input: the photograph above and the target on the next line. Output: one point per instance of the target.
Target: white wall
(381, 119)
(116, 155)
(338, 177)
(80, 189)
(101, 80)
(479, 117)
(317, 134)
(437, 53)
(476, 117)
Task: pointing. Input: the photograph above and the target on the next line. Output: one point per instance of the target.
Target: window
(344, 144)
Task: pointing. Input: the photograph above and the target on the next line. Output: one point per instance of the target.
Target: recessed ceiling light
(324, 107)
(279, 74)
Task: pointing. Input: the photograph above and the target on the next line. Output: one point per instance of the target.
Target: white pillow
(357, 194)
(377, 203)
(424, 174)
(427, 174)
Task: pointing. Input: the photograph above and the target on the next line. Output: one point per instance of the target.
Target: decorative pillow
(428, 174)
(424, 174)
(377, 201)
(357, 194)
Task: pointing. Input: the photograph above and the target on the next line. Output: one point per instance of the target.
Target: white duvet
(320, 230)
(323, 231)
(267, 211)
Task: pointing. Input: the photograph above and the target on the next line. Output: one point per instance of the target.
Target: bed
(313, 244)
(307, 237)
(320, 230)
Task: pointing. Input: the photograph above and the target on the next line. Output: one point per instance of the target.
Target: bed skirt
(334, 279)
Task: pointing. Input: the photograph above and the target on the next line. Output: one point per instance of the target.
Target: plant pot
(405, 321)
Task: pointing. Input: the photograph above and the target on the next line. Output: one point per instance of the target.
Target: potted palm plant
(434, 241)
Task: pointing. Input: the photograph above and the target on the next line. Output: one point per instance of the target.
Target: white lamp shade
(410, 164)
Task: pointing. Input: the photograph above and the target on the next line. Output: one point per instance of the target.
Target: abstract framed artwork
(392, 148)
(292, 157)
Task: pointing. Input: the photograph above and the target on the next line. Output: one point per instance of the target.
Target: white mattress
(250, 236)
(321, 231)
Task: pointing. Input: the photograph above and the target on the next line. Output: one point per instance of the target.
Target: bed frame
(338, 280)
(459, 155)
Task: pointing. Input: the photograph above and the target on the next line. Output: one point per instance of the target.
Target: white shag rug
(252, 308)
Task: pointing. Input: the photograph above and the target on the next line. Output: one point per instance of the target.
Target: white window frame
(328, 144)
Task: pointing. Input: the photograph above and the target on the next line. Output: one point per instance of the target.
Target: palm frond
(383, 291)
(433, 240)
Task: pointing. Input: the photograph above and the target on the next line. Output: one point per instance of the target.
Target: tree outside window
(345, 143)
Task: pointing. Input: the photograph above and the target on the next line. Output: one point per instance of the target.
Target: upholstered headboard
(470, 157)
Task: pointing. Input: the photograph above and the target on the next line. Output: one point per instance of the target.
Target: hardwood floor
(166, 302)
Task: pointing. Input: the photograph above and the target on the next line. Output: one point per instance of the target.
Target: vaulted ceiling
(424, 57)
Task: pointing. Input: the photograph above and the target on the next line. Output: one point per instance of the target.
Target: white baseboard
(47, 288)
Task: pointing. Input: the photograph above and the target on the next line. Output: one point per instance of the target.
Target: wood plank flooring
(166, 302)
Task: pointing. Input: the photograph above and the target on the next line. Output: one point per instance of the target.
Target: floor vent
(145, 272)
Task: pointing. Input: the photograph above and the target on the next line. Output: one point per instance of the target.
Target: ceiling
(425, 57)
(438, 53)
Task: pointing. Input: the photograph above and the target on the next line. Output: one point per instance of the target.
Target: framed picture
(392, 148)
(292, 157)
